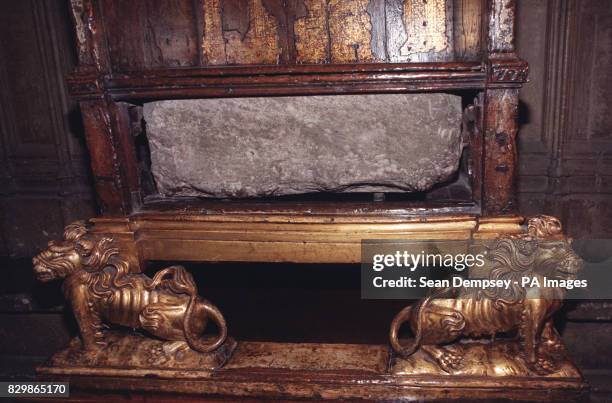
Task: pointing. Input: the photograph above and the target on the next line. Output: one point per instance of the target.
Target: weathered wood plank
(127, 43)
(501, 26)
(500, 154)
(171, 34)
(467, 26)
(178, 33)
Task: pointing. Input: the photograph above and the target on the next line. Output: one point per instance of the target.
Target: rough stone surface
(248, 147)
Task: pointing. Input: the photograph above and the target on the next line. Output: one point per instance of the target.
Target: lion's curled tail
(183, 283)
(404, 316)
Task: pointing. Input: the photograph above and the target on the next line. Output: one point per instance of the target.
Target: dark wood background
(565, 135)
(565, 152)
(44, 175)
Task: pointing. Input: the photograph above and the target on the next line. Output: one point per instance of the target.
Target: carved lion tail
(177, 279)
(193, 339)
(182, 282)
(403, 316)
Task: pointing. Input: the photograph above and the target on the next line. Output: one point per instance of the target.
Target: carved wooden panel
(44, 173)
(171, 33)
(566, 128)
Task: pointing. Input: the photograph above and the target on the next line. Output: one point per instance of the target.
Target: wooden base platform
(314, 371)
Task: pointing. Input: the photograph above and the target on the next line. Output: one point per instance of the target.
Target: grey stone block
(249, 147)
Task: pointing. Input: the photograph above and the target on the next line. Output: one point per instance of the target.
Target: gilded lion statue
(446, 315)
(102, 292)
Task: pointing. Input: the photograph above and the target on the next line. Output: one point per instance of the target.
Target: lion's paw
(164, 352)
(545, 366)
(554, 346)
(175, 349)
(156, 355)
(451, 358)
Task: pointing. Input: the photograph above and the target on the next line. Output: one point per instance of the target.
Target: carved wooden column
(506, 73)
(113, 159)
(500, 148)
(105, 122)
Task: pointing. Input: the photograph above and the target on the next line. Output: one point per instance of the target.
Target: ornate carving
(447, 315)
(512, 71)
(103, 292)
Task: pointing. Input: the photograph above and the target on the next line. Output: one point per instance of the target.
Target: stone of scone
(249, 147)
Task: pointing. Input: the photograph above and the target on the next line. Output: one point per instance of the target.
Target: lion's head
(557, 259)
(544, 227)
(78, 250)
(542, 251)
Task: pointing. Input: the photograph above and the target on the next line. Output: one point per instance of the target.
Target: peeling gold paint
(260, 44)
(350, 29)
(213, 45)
(425, 23)
(311, 39)
(333, 31)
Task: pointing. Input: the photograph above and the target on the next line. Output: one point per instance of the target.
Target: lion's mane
(102, 267)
